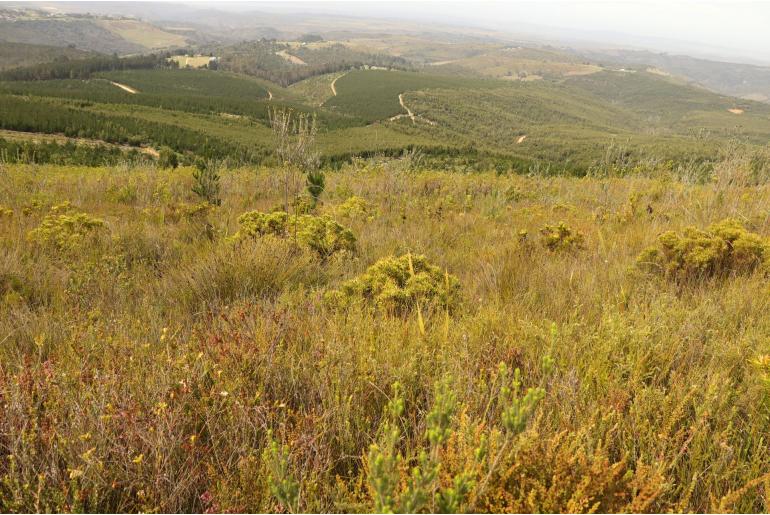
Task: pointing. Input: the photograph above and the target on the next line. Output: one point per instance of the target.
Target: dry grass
(162, 369)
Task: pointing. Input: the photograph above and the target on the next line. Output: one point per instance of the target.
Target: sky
(711, 28)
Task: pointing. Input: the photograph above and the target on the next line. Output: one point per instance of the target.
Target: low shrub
(724, 248)
(320, 233)
(560, 238)
(397, 284)
(355, 207)
(66, 232)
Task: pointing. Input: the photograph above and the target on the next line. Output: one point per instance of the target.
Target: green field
(557, 126)
(373, 94)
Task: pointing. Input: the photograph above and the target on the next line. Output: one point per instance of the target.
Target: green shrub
(167, 158)
(355, 207)
(398, 283)
(319, 233)
(207, 181)
(66, 232)
(560, 238)
(724, 248)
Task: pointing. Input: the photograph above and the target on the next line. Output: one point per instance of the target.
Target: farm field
(552, 371)
(192, 61)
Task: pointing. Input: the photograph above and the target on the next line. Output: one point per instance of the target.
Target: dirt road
(293, 59)
(409, 112)
(128, 89)
(38, 137)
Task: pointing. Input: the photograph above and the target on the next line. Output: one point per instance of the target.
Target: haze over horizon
(712, 29)
(719, 30)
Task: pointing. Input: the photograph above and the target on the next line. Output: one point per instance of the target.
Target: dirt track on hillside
(125, 88)
(38, 137)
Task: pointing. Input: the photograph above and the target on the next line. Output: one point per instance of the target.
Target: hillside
(84, 32)
(383, 257)
(562, 125)
(15, 55)
(735, 79)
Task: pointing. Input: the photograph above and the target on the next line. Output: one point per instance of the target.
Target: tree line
(84, 68)
(20, 114)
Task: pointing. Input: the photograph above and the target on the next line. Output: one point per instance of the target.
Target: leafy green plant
(399, 284)
(724, 248)
(516, 409)
(315, 182)
(421, 489)
(383, 458)
(282, 484)
(320, 233)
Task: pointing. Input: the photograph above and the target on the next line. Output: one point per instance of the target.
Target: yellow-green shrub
(355, 207)
(319, 233)
(560, 238)
(724, 248)
(399, 283)
(65, 232)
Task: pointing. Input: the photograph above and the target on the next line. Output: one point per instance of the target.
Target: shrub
(5, 212)
(724, 248)
(206, 176)
(167, 158)
(560, 238)
(315, 182)
(65, 232)
(319, 233)
(398, 283)
(355, 207)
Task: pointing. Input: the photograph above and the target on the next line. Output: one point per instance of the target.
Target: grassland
(517, 63)
(144, 34)
(150, 364)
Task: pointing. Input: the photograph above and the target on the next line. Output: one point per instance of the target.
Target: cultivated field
(192, 61)
(156, 359)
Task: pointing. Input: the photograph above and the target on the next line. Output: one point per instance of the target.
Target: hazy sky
(728, 28)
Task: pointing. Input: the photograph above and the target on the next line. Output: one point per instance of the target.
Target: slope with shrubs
(525, 364)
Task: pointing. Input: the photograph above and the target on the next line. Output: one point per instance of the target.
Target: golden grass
(162, 369)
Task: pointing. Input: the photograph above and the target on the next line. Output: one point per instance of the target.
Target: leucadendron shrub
(66, 232)
(398, 284)
(561, 238)
(355, 208)
(319, 233)
(724, 248)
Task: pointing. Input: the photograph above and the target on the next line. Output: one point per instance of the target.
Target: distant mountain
(14, 55)
(735, 79)
(85, 32)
